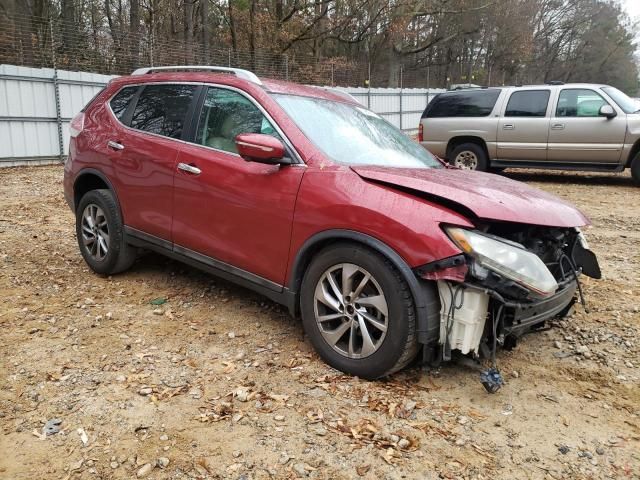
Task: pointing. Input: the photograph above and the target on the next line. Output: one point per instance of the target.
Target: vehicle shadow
(582, 178)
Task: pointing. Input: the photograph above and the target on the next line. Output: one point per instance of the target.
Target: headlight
(507, 259)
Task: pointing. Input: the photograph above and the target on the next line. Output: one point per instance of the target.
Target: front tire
(469, 156)
(100, 233)
(358, 312)
(635, 169)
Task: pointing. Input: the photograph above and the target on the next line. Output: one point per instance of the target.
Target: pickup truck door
(524, 126)
(578, 134)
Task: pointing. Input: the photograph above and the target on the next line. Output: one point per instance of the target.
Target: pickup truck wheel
(358, 312)
(100, 233)
(469, 156)
(635, 169)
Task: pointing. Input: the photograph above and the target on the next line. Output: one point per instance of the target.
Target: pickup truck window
(629, 105)
(579, 102)
(528, 103)
(465, 103)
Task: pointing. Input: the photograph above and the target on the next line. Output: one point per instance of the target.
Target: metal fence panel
(402, 107)
(34, 124)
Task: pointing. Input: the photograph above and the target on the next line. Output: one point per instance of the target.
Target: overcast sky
(632, 7)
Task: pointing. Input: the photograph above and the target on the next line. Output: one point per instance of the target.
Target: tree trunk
(68, 21)
(232, 27)
(204, 12)
(394, 69)
(252, 33)
(134, 32)
(188, 31)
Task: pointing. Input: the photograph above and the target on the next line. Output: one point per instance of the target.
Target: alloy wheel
(466, 160)
(351, 310)
(95, 231)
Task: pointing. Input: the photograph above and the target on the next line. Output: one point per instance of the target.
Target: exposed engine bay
(509, 280)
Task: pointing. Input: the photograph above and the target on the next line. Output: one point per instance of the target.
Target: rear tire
(100, 233)
(635, 169)
(370, 329)
(469, 156)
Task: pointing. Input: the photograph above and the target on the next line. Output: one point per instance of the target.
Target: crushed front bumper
(520, 317)
(471, 314)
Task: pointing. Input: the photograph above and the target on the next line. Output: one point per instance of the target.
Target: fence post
(401, 84)
(286, 67)
(56, 91)
(369, 86)
(151, 48)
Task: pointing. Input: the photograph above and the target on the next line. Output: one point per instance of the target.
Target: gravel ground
(219, 382)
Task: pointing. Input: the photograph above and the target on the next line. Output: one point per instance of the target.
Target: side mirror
(607, 111)
(260, 148)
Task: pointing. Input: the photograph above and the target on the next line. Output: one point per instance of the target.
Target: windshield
(629, 105)
(353, 135)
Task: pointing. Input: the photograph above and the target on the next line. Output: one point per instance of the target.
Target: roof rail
(238, 72)
(555, 82)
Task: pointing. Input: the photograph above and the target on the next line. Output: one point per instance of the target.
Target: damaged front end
(509, 279)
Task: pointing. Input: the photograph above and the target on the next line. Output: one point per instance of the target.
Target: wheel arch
(424, 295)
(454, 142)
(635, 149)
(91, 179)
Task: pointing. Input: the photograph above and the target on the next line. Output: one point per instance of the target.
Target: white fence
(37, 104)
(401, 107)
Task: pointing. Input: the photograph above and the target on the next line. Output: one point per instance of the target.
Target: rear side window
(471, 103)
(162, 109)
(528, 103)
(121, 100)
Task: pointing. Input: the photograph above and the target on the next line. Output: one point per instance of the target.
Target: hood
(487, 196)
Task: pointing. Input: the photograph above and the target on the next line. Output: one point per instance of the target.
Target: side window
(121, 101)
(472, 103)
(224, 115)
(528, 103)
(161, 109)
(579, 102)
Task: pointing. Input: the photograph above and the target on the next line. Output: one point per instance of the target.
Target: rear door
(233, 214)
(524, 126)
(460, 113)
(578, 134)
(145, 155)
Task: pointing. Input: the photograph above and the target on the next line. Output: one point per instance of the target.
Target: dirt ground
(219, 382)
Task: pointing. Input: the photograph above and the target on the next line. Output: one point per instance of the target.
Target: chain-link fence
(48, 42)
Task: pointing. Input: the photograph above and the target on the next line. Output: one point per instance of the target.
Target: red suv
(305, 196)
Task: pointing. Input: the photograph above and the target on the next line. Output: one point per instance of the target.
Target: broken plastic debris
(158, 301)
(52, 426)
(83, 436)
(491, 380)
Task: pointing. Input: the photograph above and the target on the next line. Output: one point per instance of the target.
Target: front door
(579, 134)
(524, 126)
(230, 212)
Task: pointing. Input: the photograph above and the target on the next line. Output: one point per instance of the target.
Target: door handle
(115, 145)
(189, 168)
(557, 126)
(508, 126)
